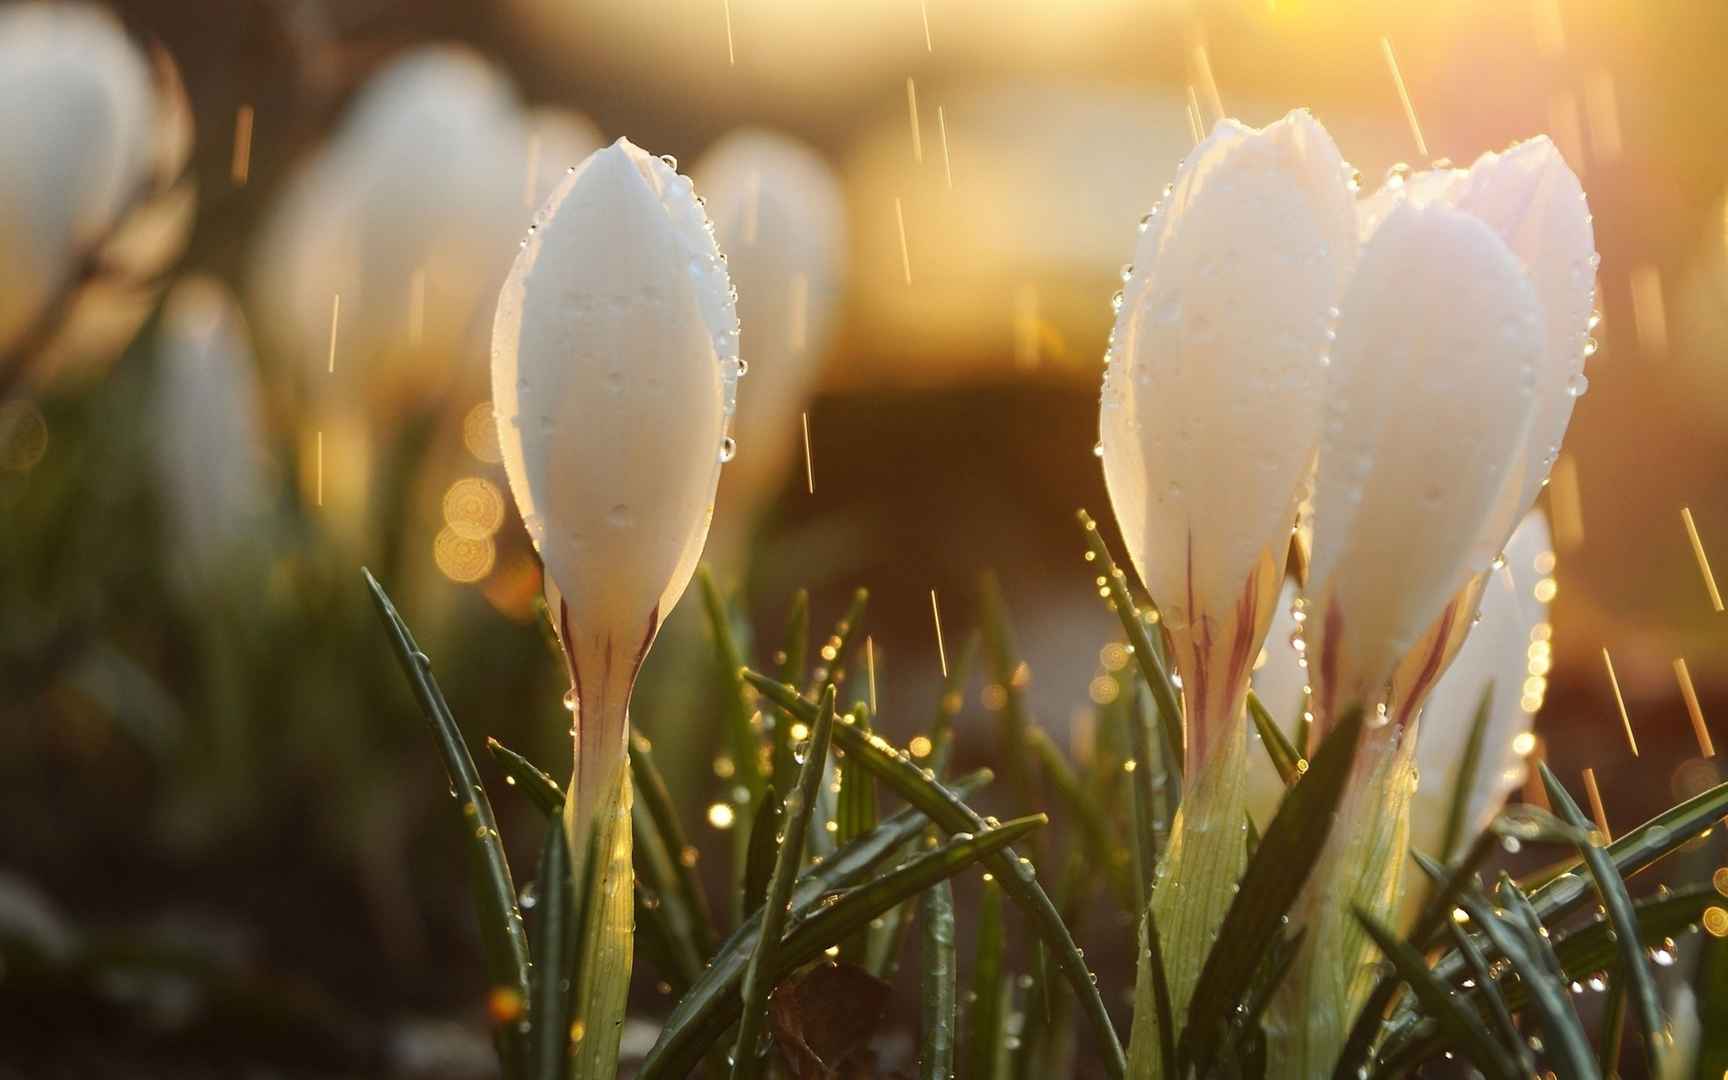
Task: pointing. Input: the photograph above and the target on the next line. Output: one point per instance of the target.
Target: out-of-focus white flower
(779, 215)
(90, 131)
(409, 215)
(1508, 648)
(209, 433)
(1429, 400)
(615, 362)
(1211, 403)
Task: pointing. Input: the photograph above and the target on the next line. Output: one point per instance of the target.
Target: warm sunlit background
(205, 751)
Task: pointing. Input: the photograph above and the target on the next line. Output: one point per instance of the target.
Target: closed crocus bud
(209, 433)
(1211, 404)
(1209, 417)
(779, 215)
(614, 365)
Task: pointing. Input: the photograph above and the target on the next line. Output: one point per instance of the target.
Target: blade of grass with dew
(952, 815)
(1164, 696)
(504, 943)
(821, 920)
(1095, 829)
(1010, 673)
(742, 736)
(554, 951)
(985, 1017)
(759, 975)
(938, 1003)
(832, 665)
(792, 660)
(1160, 993)
(1460, 1022)
(1147, 771)
(764, 849)
(1284, 757)
(1567, 1044)
(949, 704)
(1458, 816)
(526, 777)
(1634, 968)
(660, 906)
(1489, 987)
(1560, 890)
(1271, 883)
(1612, 1038)
(855, 815)
(687, 883)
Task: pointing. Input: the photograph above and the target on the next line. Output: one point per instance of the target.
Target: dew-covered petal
(1428, 402)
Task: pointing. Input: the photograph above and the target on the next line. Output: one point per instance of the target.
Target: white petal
(1427, 405)
(779, 216)
(1211, 403)
(613, 367)
(1498, 653)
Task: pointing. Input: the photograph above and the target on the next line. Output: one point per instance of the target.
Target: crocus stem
(1362, 866)
(608, 927)
(1192, 886)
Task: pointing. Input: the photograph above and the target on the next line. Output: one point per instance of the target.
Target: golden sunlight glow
(473, 508)
(1703, 560)
(720, 815)
(1620, 700)
(462, 559)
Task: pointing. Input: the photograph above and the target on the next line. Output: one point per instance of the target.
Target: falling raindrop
(728, 449)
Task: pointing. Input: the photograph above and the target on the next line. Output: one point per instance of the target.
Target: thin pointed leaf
(526, 777)
(948, 705)
(759, 976)
(1160, 994)
(938, 1000)
(952, 815)
(1009, 672)
(821, 919)
(792, 665)
(1634, 969)
(1458, 815)
(855, 814)
(1148, 772)
(1613, 1028)
(504, 942)
(746, 766)
(1488, 988)
(555, 935)
(832, 669)
(1459, 1021)
(1568, 1045)
(686, 882)
(1269, 887)
(661, 908)
(763, 851)
(1095, 828)
(1285, 757)
(1164, 694)
(984, 1027)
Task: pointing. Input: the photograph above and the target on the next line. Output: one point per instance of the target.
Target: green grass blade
(526, 777)
(1711, 989)
(1160, 994)
(1568, 1045)
(661, 907)
(1269, 887)
(763, 851)
(949, 704)
(759, 976)
(855, 814)
(1096, 831)
(792, 661)
(1613, 1028)
(1489, 988)
(1459, 1021)
(1164, 695)
(1145, 821)
(821, 917)
(651, 788)
(1010, 672)
(952, 815)
(1634, 968)
(554, 951)
(1285, 757)
(503, 941)
(1458, 815)
(938, 1003)
(832, 668)
(736, 711)
(984, 1027)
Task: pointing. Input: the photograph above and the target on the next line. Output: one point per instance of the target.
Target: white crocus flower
(1209, 417)
(210, 433)
(779, 215)
(614, 365)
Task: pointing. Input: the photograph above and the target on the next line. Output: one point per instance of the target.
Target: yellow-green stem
(604, 953)
(1362, 866)
(1194, 882)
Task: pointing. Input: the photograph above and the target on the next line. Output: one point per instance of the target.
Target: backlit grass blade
(1269, 887)
(759, 976)
(938, 1002)
(668, 919)
(1458, 815)
(763, 850)
(1634, 968)
(1010, 673)
(984, 1036)
(831, 658)
(821, 918)
(1285, 757)
(1160, 994)
(1095, 829)
(735, 710)
(554, 942)
(524, 776)
(855, 814)
(949, 704)
(651, 788)
(504, 942)
(953, 816)
(1437, 999)
(1148, 656)
(792, 664)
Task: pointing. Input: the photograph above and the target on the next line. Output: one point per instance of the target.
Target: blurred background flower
(988, 165)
